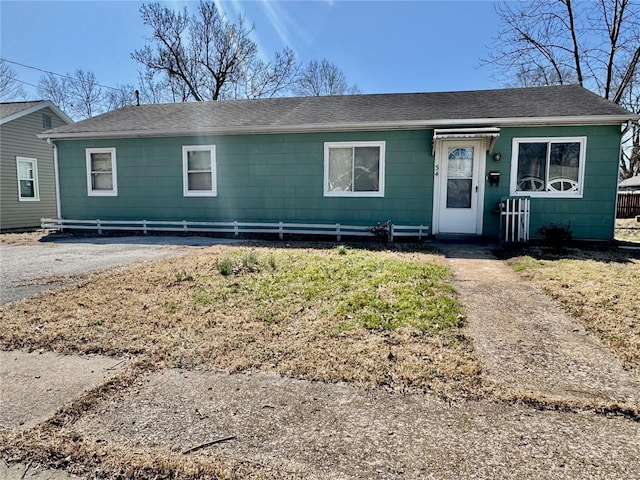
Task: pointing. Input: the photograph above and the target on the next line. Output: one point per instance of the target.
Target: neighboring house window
(548, 167)
(354, 169)
(46, 121)
(199, 171)
(102, 179)
(27, 179)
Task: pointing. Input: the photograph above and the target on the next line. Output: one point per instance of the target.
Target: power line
(50, 73)
(22, 81)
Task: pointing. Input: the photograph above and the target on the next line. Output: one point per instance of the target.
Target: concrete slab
(34, 386)
(338, 431)
(29, 471)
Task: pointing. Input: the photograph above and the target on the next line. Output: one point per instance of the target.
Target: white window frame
(36, 187)
(185, 172)
(330, 145)
(547, 193)
(113, 192)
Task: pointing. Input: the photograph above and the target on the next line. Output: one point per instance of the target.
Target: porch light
(497, 156)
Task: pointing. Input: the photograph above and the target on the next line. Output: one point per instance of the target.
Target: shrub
(381, 231)
(556, 235)
(226, 266)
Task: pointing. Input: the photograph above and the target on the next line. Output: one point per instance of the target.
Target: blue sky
(382, 46)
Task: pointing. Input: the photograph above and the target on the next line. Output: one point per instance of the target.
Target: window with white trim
(199, 171)
(548, 167)
(354, 169)
(102, 178)
(27, 179)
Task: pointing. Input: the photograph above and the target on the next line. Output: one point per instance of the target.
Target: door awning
(489, 133)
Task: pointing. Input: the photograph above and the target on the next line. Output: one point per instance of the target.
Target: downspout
(56, 176)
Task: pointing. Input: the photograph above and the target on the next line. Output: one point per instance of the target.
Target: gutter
(348, 127)
(56, 176)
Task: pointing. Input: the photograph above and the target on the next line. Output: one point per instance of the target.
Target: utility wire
(51, 73)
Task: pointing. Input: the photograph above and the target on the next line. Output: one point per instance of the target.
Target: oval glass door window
(459, 177)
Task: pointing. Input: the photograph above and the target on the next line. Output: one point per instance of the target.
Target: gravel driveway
(32, 268)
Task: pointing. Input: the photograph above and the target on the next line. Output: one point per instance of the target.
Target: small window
(199, 171)
(27, 179)
(548, 167)
(102, 179)
(46, 121)
(354, 169)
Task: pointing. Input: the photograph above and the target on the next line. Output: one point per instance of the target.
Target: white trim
(355, 127)
(35, 108)
(582, 140)
(56, 176)
(34, 171)
(113, 192)
(213, 170)
(381, 169)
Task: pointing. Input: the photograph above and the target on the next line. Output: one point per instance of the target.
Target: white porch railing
(236, 228)
(514, 219)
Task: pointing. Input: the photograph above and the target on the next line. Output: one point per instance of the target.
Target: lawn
(365, 316)
(628, 230)
(600, 288)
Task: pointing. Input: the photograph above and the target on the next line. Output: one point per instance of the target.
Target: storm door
(458, 171)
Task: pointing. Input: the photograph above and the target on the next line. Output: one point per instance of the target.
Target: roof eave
(35, 108)
(358, 126)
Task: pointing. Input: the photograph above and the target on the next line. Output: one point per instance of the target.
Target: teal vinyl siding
(279, 177)
(590, 217)
(265, 178)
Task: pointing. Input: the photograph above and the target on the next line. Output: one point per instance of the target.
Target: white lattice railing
(236, 228)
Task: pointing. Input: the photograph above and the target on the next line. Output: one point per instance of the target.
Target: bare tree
(10, 88)
(56, 89)
(119, 97)
(86, 93)
(594, 44)
(323, 78)
(208, 57)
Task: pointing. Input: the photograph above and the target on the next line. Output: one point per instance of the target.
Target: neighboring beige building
(27, 181)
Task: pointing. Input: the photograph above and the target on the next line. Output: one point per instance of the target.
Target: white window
(548, 167)
(102, 178)
(27, 179)
(199, 171)
(354, 169)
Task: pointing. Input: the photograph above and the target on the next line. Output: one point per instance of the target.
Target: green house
(444, 161)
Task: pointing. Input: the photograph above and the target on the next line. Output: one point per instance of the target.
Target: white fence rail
(236, 228)
(514, 219)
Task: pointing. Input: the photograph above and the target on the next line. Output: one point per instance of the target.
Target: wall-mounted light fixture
(497, 156)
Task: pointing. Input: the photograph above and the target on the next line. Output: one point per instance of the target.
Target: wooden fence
(628, 204)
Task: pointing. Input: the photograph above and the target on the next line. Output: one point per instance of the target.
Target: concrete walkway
(527, 345)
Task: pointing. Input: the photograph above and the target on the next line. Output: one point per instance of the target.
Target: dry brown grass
(628, 230)
(183, 313)
(599, 288)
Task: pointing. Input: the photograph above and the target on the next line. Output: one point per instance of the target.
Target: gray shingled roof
(9, 108)
(379, 111)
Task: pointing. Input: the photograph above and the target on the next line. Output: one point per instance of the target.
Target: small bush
(226, 266)
(183, 276)
(556, 235)
(381, 232)
(250, 261)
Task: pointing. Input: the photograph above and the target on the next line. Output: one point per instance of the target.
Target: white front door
(458, 193)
